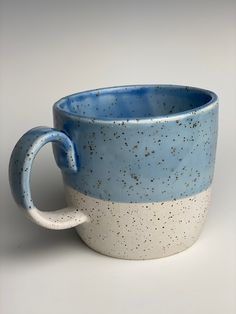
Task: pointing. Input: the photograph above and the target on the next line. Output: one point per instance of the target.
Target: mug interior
(135, 102)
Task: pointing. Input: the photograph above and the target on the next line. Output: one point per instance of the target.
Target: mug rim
(167, 117)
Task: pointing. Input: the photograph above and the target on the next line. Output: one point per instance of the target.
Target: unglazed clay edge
(140, 230)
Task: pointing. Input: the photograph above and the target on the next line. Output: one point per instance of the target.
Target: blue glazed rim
(160, 118)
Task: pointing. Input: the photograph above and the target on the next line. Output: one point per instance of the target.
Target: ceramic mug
(137, 164)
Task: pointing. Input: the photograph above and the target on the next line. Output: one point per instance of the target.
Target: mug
(137, 165)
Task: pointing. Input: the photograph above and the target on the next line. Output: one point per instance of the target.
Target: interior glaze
(135, 101)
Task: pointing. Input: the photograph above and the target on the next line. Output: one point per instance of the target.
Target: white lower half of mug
(140, 230)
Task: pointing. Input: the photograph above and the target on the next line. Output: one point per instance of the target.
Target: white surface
(53, 48)
(135, 230)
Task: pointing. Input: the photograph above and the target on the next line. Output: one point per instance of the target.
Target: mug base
(140, 231)
(134, 257)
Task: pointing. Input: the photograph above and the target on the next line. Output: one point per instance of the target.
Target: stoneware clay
(137, 164)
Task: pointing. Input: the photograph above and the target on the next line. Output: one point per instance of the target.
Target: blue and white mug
(137, 164)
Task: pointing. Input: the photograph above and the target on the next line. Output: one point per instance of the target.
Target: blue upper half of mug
(142, 143)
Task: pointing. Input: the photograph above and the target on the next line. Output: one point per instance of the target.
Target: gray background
(53, 48)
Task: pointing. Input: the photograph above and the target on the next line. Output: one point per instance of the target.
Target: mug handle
(19, 176)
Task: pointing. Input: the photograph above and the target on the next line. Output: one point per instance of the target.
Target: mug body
(146, 160)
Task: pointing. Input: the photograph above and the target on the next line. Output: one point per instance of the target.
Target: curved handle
(19, 176)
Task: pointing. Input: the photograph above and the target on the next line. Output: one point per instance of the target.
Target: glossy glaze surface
(168, 155)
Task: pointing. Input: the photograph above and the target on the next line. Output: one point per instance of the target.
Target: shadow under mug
(137, 164)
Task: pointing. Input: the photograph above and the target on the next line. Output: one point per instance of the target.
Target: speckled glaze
(140, 230)
(137, 164)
